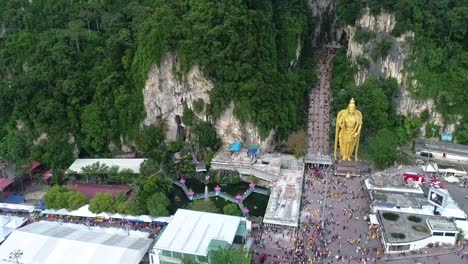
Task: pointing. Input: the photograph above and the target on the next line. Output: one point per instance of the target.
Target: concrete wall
(415, 245)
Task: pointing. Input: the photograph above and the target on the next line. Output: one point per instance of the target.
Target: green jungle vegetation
(439, 50)
(383, 128)
(73, 71)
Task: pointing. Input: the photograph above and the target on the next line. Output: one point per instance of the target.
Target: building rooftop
(395, 199)
(283, 207)
(390, 183)
(91, 189)
(410, 227)
(441, 224)
(190, 232)
(53, 242)
(132, 164)
(447, 147)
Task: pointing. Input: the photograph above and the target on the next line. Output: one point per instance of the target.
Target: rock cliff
(390, 66)
(166, 94)
(323, 12)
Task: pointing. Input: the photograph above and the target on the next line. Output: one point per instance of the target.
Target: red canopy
(47, 175)
(5, 182)
(35, 165)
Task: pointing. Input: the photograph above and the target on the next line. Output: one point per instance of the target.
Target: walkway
(226, 196)
(319, 105)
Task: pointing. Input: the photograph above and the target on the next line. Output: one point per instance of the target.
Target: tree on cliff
(383, 149)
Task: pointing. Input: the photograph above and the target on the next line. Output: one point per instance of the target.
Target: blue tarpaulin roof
(236, 146)
(41, 205)
(251, 151)
(15, 199)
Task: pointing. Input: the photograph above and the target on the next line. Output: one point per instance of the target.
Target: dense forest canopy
(73, 71)
(248, 48)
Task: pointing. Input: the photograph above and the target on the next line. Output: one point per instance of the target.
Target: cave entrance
(180, 133)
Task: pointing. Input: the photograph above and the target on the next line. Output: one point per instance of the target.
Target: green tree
(157, 204)
(57, 176)
(462, 134)
(198, 105)
(203, 206)
(150, 138)
(231, 209)
(383, 149)
(55, 196)
(76, 200)
(102, 202)
(231, 256)
(297, 143)
(206, 135)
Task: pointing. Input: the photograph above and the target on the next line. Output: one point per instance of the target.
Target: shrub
(390, 216)
(420, 228)
(415, 219)
(397, 235)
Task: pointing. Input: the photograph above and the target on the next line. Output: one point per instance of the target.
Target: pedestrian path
(319, 105)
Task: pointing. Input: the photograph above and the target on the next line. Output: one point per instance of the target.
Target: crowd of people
(153, 228)
(330, 237)
(319, 104)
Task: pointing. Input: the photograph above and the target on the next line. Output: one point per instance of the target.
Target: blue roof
(251, 151)
(236, 146)
(41, 205)
(15, 199)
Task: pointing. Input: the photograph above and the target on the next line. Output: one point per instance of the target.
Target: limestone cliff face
(230, 130)
(391, 66)
(323, 12)
(165, 96)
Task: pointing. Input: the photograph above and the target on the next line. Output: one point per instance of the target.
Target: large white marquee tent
(52, 242)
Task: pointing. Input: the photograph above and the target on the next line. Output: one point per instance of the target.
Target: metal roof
(52, 242)
(132, 164)
(190, 232)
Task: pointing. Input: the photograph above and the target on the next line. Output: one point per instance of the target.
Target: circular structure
(420, 228)
(398, 235)
(390, 216)
(415, 219)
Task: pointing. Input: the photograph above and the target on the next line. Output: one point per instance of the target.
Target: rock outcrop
(323, 12)
(392, 65)
(165, 97)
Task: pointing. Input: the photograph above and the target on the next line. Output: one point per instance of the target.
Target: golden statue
(348, 130)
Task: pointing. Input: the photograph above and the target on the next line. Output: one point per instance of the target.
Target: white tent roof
(191, 231)
(104, 215)
(82, 212)
(62, 212)
(51, 242)
(118, 216)
(8, 224)
(373, 219)
(132, 164)
(145, 218)
(24, 207)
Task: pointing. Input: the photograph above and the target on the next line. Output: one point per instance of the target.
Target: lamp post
(15, 255)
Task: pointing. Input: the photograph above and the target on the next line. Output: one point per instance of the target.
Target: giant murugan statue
(348, 130)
